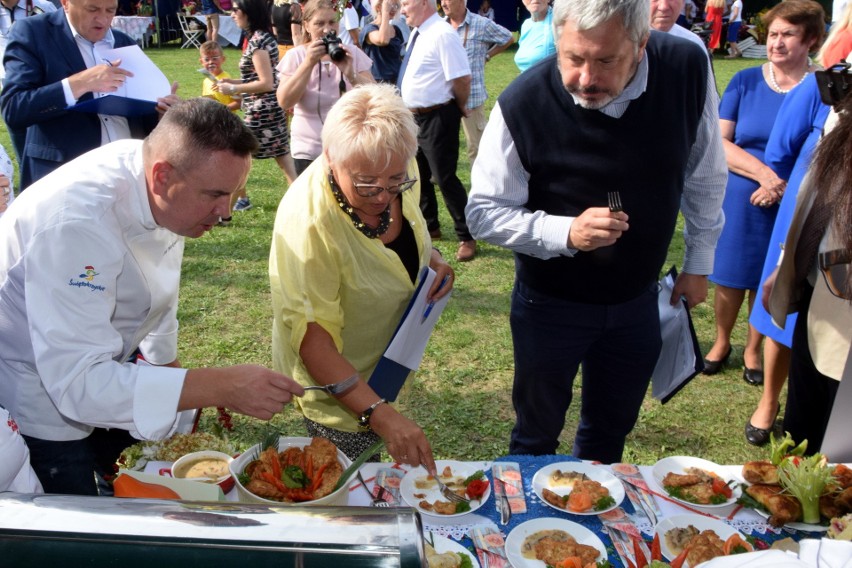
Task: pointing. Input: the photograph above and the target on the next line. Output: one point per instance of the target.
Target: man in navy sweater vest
(619, 108)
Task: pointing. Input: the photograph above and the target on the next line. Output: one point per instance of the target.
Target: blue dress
(798, 128)
(741, 250)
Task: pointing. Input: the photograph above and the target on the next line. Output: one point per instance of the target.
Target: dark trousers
(810, 394)
(617, 345)
(78, 467)
(438, 156)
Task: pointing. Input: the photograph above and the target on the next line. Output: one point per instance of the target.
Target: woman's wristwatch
(364, 418)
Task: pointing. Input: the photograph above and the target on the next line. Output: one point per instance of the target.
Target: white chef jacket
(86, 277)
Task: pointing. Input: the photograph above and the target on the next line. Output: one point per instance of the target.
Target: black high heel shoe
(760, 436)
(713, 367)
(753, 376)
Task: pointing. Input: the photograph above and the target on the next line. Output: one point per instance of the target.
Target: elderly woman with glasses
(348, 243)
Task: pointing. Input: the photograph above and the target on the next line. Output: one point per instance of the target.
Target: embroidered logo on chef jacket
(87, 278)
(90, 274)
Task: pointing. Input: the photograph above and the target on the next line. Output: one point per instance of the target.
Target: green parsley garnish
(604, 503)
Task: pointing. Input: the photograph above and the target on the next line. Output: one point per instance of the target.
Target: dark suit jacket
(40, 54)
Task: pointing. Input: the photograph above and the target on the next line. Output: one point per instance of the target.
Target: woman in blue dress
(798, 128)
(747, 113)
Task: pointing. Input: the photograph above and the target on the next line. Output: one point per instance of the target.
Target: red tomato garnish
(476, 488)
(721, 488)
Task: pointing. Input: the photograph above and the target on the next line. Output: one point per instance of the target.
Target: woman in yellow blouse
(348, 243)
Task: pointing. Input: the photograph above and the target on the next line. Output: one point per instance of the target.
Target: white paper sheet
(409, 343)
(148, 82)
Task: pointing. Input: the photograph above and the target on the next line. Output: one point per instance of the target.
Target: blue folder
(116, 106)
(389, 376)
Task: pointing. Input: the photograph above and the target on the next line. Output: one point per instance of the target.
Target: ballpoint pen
(431, 304)
(107, 61)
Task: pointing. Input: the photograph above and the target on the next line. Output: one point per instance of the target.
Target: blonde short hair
(369, 124)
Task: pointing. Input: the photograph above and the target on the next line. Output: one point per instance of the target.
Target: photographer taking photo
(312, 80)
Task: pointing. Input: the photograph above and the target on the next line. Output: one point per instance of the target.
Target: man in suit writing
(53, 61)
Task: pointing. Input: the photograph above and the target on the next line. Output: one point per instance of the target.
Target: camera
(834, 83)
(333, 46)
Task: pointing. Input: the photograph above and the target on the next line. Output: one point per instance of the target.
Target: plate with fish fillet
(696, 482)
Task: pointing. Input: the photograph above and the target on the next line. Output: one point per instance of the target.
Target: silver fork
(379, 501)
(449, 493)
(336, 388)
(614, 200)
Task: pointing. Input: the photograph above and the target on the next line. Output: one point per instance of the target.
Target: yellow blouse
(323, 270)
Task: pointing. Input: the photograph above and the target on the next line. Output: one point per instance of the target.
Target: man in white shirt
(435, 84)
(90, 265)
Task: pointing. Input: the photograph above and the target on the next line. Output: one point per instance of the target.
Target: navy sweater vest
(575, 156)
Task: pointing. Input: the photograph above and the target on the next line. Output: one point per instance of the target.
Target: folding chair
(189, 33)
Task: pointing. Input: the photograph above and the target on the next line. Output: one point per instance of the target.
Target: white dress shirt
(437, 58)
(86, 277)
(499, 188)
(112, 127)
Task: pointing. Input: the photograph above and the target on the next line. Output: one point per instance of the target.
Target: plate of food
(420, 490)
(706, 537)
(297, 471)
(768, 498)
(443, 552)
(696, 482)
(578, 488)
(547, 541)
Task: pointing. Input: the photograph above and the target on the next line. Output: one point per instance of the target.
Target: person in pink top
(311, 81)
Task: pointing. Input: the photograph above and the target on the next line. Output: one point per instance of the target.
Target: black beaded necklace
(384, 218)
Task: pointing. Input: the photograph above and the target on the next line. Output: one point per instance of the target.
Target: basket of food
(299, 471)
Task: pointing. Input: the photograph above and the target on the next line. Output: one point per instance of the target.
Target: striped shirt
(478, 34)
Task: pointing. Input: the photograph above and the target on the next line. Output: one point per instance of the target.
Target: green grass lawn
(461, 395)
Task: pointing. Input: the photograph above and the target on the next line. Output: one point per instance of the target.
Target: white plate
(796, 526)
(407, 489)
(724, 530)
(678, 464)
(516, 538)
(443, 544)
(541, 480)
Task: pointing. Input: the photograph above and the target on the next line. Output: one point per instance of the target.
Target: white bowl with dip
(206, 466)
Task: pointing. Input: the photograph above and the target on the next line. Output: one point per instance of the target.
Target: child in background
(212, 58)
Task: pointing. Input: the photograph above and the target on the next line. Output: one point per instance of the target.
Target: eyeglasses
(370, 190)
(835, 266)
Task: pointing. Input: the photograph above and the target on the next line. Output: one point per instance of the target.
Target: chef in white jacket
(90, 263)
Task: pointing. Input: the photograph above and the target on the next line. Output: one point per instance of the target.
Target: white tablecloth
(140, 28)
(229, 33)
